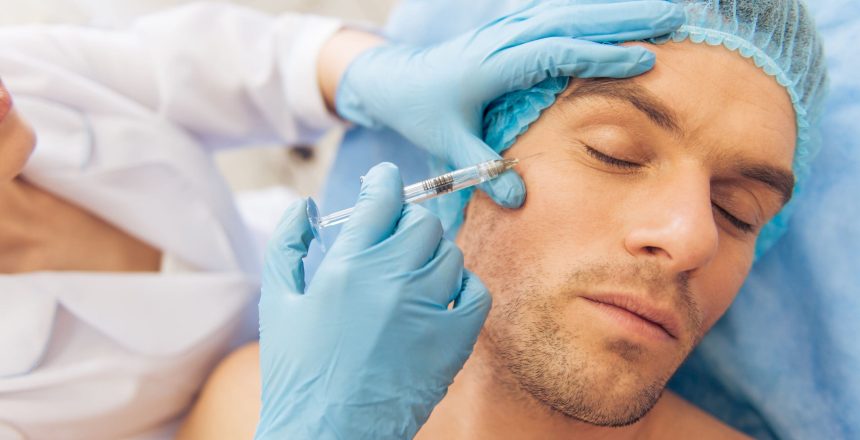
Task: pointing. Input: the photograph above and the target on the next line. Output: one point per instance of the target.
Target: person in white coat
(125, 266)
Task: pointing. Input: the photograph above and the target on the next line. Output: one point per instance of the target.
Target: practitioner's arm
(227, 75)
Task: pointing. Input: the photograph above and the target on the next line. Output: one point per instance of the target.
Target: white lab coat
(127, 122)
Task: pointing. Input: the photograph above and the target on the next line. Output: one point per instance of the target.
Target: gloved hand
(435, 96)
(370, 347)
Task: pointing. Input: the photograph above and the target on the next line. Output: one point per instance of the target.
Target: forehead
(722, 100)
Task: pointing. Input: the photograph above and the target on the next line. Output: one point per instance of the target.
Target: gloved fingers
(465, 321)
(376, 213)
(473, 302)
(445, 271)
(559, 56)
(416, 238)
(608, 22)
(508, 190)
(284, 271)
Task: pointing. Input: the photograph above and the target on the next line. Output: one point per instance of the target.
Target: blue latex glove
(435, 96)
(370, 347)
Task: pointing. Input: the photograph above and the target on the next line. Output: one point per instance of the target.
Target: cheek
(718, 285)
(568, 212)
(574, 215)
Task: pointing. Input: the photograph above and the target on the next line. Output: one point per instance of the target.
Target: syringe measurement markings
(440, 184)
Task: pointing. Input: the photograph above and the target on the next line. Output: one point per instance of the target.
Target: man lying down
(648, 201)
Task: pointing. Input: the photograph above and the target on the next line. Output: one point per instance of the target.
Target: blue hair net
(778, 35)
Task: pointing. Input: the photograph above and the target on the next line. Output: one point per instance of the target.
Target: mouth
(637, 315)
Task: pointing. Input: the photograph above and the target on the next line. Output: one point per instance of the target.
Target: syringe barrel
(453, 181)
(427, 189)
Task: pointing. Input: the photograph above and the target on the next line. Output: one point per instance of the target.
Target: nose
(675, 225)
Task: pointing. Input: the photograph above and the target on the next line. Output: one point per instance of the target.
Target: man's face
(645, 197)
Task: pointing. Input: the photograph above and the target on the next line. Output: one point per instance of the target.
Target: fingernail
(644, 62)
(647, 58)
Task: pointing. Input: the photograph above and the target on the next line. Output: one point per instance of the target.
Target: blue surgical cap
(778, 35)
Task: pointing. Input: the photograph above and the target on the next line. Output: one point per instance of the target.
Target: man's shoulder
(677, 418)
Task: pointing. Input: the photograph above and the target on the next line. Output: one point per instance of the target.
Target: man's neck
(485, 401)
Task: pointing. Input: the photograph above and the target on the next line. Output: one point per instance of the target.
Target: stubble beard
(534, 358)
(524, 335)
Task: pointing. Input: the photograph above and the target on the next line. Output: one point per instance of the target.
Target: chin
(612, 393)
(608, 395)
(12, 163)
(17, 144)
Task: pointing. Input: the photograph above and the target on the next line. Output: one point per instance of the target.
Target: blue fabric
(783, 362)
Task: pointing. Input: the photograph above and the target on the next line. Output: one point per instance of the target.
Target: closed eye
(737, 223)
(612, 161)
(625, 165)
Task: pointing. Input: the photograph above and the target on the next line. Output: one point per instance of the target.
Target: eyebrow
(631, 93)
(777, 179)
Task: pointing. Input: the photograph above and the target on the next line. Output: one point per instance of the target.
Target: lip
(638, 314)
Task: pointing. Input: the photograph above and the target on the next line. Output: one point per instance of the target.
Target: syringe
(424, 190)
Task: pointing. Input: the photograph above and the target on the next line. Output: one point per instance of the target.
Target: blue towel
(784, 362)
